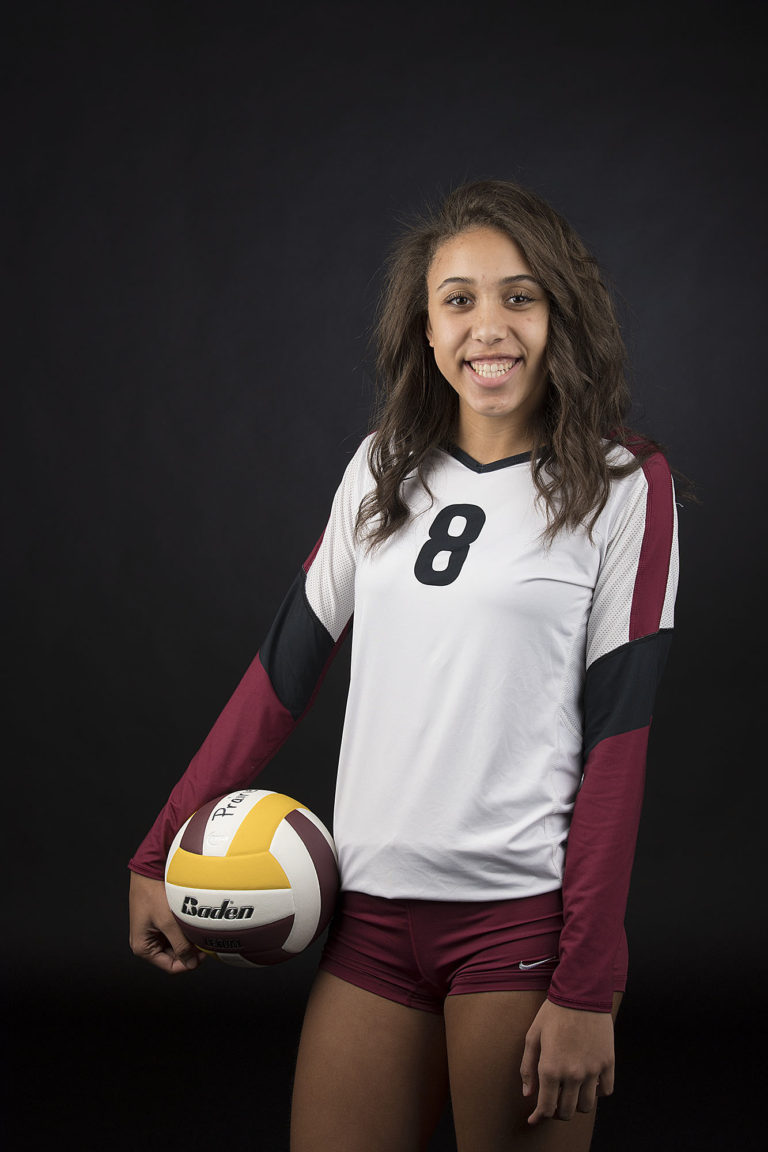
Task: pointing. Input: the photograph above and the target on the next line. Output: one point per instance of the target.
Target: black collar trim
(468, 461)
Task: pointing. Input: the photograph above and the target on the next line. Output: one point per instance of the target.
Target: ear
(428, 330)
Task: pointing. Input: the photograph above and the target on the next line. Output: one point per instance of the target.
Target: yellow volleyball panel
(255, 871)
(258, 825)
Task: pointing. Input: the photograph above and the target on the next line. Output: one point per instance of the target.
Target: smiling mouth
(491, 369)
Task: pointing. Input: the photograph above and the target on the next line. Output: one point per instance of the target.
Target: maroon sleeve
(278, 688)
(619, 692)
(601, 847)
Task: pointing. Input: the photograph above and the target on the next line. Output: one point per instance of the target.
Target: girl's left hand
(568, 1061)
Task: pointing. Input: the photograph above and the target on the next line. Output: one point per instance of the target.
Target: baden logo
(224, 911)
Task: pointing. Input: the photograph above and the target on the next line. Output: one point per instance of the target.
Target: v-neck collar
(469, 461)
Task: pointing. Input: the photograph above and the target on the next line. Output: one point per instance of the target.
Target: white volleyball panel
(237, 961)
(291, 854)
(231, 911)
(224, 821)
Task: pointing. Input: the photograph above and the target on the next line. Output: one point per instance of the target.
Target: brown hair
(587, 395)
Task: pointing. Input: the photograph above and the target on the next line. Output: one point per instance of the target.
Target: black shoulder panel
(620, 687)
(296, 649)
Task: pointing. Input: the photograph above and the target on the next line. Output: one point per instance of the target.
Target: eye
(520, 298)
(458, 298)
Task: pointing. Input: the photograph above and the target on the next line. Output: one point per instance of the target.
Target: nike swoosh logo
(536, 963)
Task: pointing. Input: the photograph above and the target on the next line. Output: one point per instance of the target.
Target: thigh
(371, 1074)
(485, 1037)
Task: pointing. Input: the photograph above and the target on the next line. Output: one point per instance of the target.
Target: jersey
(500, 696)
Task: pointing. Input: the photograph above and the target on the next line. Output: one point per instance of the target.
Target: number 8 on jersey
(441, 540)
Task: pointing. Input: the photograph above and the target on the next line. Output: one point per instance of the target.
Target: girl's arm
(276, 691)
(569, 1056)
(629, 635)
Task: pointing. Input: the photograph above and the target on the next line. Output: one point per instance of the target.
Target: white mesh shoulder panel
(330, 586)
(624, 518)
(668, 611)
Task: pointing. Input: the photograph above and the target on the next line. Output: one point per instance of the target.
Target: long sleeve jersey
(500, 696)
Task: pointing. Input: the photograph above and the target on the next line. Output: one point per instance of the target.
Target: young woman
(509, 552)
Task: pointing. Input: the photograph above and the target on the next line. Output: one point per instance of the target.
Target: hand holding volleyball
(155, 934)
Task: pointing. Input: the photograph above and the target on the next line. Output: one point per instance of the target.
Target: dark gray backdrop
(200, 197)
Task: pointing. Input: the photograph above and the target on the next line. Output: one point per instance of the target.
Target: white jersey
(462, 748)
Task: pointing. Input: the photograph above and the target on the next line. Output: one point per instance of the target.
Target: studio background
(199, 201)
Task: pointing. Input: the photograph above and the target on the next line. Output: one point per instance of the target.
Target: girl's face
(487, 323)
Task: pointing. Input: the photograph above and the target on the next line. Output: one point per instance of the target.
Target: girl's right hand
(154, 931)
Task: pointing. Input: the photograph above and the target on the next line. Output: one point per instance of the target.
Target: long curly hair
(587, 396)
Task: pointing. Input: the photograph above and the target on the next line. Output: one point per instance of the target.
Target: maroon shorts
(417, 952)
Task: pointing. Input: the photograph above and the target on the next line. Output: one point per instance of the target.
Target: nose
(489, 323)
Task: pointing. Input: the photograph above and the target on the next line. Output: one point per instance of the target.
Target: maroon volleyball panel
(192, 840)
(249, 942)
(325, 863)
(277, 956)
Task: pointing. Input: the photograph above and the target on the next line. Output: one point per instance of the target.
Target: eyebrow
(501, 283)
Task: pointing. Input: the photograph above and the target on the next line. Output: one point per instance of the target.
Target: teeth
(492, 367)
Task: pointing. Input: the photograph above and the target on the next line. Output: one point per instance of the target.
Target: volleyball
(252, 877)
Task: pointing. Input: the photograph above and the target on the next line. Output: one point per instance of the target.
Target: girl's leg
(485, 1040)
(371, 1074)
